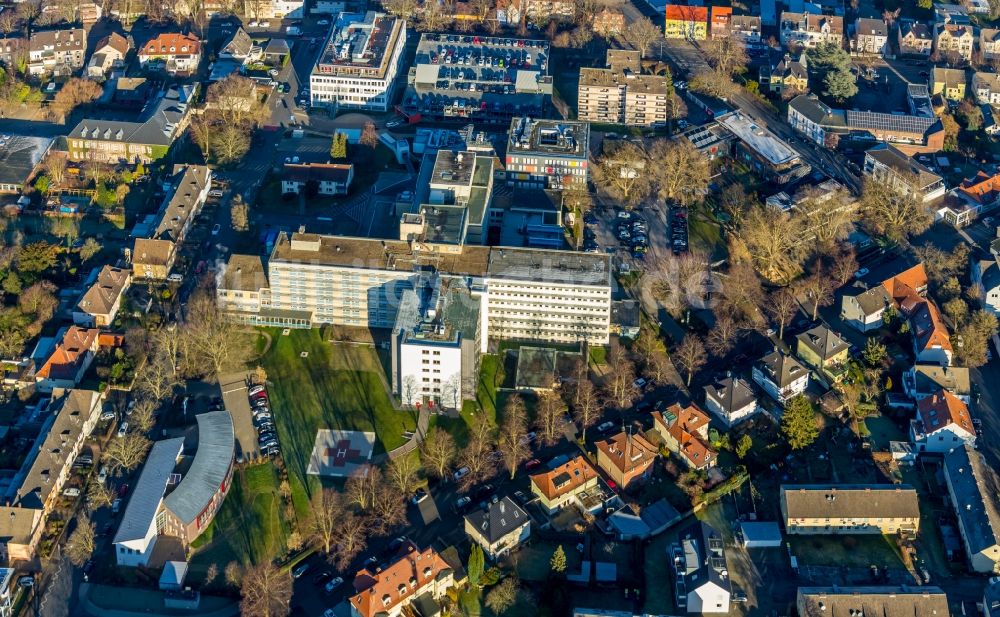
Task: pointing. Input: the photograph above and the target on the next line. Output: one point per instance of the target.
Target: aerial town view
(499, 308)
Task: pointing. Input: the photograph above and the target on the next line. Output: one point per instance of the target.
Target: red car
(532, 464)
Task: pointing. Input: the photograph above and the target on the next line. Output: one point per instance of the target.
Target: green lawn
(336, 386)
(532, 563)
(251, 525)
(858, 551)
(491, 374)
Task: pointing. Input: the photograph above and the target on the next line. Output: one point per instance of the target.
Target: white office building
(358, 66)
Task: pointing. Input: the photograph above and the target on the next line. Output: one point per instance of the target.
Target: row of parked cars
(267, 436)
(633, 230)
(678, 230)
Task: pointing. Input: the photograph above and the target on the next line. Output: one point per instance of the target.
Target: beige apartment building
(849, 509)
(620, 94)
(954, 42)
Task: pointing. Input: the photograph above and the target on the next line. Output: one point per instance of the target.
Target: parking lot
(234, 395)
(470, 76)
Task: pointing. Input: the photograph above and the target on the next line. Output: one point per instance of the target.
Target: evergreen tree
(798, 424)
(475, 565)
(558, 562)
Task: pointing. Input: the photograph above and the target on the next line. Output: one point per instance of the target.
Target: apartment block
(547, 154)
(986, 87)
(57, 52)
(971, 486)
(887, 165)
(850, 509)
(623, 95)
(685, 22)
(358, 64)
(154, 254)
(871, 37)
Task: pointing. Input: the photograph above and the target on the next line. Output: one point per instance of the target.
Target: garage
(760, 535)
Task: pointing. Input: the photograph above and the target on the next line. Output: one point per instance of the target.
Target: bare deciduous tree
(266, 591)
(362, 485)
(350, 538)
(388, 508)
(402, 472)
(641, 34)
(782, 306)
(772, 240)
(82, 542)
(99, 496)
(143, 416)
(512, 439)
(678, 170)
(126, 452)
(478, 451)
(549, 416)
(587, 408)
(438, 451)
(624, 172)
(328, 509)
(214, 341)
(620, 380)
(891, 212)
(690, 355)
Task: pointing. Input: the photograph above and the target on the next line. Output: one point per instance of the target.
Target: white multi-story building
(542, 295)
(805, 30)
(435, 344)
(986, 87)
(871, 37)
(358, 65)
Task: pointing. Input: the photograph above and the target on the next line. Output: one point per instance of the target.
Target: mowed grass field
(336, 386)
(250, 527)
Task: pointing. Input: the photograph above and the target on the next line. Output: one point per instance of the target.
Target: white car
(71, 492)
(102, 475)
(215, 193)
(265, 24)
(461, 473)
(273, 72)
(323, 22)
(253, 24)
(215, 229)
(122, 429)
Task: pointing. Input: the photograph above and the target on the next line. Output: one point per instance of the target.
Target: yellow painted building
(949, 83)
(686, 22)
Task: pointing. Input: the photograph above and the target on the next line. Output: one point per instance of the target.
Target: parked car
(26, 581)
(71, 492)
(461, 473)
(122, 429)
(607, 426)
(102, 475)
(333, 584)
(299, 570)
(532, 464)
(640, 382)
(419, 496)
(322, 577)
(255, 390)
(216, 229)
(461, 502)
(215, 193)
(861, 273)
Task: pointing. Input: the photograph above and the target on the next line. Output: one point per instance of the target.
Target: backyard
(250, 527)
(314, 385)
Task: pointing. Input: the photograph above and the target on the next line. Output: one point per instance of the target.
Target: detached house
(849, 509)
(942, 423)
(413, 577)
(972, 488)
(72, 356)
(914, 39)
(559, 487)
(823, 350)
(949, 83)
(57, 52)
(781, 376)
(931, 343)
(326, 178)
(806, 30)
(700, 570)
(864, 311)
(954, 42)
(989, 43)
(108, 55)
(13, 51)
(626, 457)
(923, 380)
(986, 275)
(684, 431)
(871, 37)
(986, 87)
(788, 76)
(731, 400)
(180, 54)
(745, 28)
(99, 305)
(500, 528)
(240, 48)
